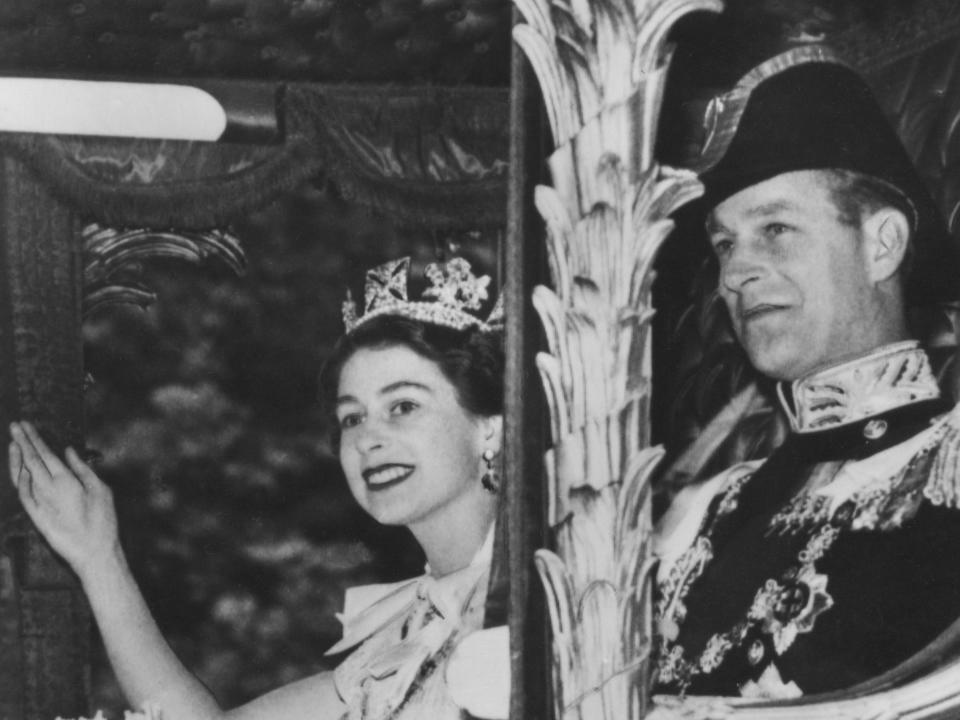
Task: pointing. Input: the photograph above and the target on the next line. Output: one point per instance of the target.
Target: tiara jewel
(453, 287)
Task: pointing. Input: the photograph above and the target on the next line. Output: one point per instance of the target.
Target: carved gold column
(602, 68)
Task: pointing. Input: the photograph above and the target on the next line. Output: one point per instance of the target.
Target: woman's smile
(402, 424)
(386, 476)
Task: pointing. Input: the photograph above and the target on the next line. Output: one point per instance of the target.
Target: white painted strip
(117, 109)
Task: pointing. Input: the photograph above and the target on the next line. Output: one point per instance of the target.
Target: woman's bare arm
(74, 511)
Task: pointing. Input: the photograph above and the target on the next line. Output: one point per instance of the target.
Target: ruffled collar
(368, 608)
(890, 377)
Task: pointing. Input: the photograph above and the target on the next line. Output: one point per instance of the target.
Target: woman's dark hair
(472, 360)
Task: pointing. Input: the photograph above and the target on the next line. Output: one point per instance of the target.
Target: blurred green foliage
(232, 506)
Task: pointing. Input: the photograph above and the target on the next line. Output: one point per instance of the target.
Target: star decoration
(796, 607)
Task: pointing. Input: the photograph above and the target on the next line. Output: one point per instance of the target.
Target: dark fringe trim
(200, 203)
(318, 120)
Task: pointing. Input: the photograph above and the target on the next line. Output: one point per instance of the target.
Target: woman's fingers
(66, 501)
(87, 477)
(18, 476)
(13, 462)
(22, 480)
(28, 451)
(35, 469)
(42, 451)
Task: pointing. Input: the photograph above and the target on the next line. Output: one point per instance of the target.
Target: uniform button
(755, 652)
(875, 429)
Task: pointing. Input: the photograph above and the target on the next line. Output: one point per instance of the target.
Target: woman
(417, 390)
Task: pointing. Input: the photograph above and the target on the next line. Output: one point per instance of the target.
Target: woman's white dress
(403, 634)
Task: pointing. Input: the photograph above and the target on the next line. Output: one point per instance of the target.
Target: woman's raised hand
(69, 504)
(74, 510)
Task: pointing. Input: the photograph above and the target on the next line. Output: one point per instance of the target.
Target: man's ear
(887, 236)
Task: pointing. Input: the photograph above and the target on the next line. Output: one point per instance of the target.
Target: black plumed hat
(807, 110)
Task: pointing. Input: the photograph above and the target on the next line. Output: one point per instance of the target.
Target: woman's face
(411, 453)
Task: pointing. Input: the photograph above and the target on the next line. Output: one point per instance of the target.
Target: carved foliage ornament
(602, 69)
(113, 260)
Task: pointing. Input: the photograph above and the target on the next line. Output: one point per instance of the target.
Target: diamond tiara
(453, 287)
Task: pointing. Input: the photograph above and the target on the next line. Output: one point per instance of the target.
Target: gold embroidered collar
(887, 378)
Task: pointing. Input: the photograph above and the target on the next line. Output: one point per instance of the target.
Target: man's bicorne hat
(806, 110)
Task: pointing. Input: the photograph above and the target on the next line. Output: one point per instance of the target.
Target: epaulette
(943, 483)
(931, 474)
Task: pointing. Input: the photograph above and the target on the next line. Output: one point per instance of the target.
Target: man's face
(793, 277)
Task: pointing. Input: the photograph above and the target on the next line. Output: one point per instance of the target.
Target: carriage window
(203, 411)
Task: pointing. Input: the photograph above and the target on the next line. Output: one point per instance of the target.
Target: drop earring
(489, 479)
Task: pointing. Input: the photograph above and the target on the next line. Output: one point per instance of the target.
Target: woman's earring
(489, 479)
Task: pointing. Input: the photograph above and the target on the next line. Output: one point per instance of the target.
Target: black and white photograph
(453, 359)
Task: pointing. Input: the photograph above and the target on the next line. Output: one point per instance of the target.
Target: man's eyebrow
(398, 385)
(771, 208)
(715, 227)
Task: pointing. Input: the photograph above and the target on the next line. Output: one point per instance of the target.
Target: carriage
(550, 164)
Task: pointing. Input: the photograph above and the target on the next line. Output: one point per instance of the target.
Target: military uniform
(838, 557)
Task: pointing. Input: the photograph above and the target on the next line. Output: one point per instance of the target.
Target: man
(834, 560)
